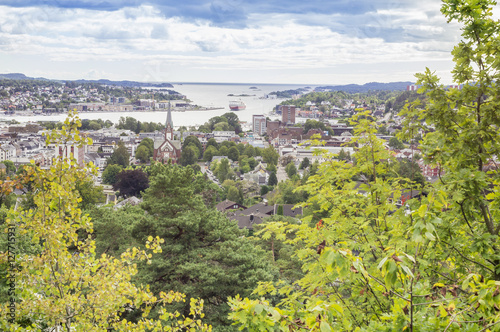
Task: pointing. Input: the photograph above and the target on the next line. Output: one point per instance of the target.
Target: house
(289, 210)
(259, 175)
(247, 221)
(133, 201)
(260, 210)
(226, 205)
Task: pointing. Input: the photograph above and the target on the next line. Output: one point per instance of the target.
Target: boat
(237, 105)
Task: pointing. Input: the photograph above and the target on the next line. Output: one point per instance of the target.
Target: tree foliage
(131, 183)
(204, 252)
(189, 155)
(59, 281)
(395, 143)
(145, 150)
(193, 140)
(270, 155)
(110, 174)
(372, 266)
(120, 156)
(291, 170)
(304, 163)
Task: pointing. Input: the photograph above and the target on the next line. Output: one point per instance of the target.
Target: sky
(230, 41)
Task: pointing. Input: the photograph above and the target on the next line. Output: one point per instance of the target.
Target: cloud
(225, 13)
(224, 35)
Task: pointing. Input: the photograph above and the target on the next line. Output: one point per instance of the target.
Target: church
(167, 148)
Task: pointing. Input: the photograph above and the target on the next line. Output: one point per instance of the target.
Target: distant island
(242, 95)
(288, 93)
(373, 86)
(19, 76)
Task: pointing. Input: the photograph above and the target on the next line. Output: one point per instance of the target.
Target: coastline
(31, 113)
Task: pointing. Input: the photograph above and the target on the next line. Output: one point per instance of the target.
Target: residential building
(288, 114)
(259, 124)
(70, 151)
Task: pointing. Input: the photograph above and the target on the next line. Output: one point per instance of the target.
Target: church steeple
(169, 125)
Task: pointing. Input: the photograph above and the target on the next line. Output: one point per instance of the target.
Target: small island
(241, 95)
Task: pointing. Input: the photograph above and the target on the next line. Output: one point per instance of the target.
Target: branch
(390, 290)
(432, 302)
(466, 258)
(455, 316)
(465, 217)
(488, 326)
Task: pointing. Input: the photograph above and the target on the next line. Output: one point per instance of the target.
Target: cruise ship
(237, 105)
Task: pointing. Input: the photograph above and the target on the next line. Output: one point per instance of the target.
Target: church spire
(169, 125)
(169, 118)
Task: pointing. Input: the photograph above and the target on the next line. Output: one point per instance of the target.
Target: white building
(259, 124)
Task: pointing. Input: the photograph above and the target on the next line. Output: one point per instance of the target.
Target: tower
(169, 125)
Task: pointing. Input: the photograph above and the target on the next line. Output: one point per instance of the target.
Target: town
(246, 161)
(232, 183)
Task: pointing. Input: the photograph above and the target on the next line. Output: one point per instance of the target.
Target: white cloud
(142, 35)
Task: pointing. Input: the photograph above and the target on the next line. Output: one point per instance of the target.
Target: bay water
(209, 95)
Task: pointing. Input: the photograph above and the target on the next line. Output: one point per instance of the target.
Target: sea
(209, 95)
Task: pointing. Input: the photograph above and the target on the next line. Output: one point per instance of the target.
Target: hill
(373, 86)
(19, 76)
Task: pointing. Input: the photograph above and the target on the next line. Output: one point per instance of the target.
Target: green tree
(233, 121)
(210, 151)
(110, 173)
(212, 142)
(304, 163)
(244, 165)
(204, 253)
(233, 194)
(273, 180)
(252, 163)
(89, 193)
(94, 125)
(189, 155)
(223, 151)
(433, 266)
(465, 140)
(291, 170)
(142, 154)
(221, 126)
(120, 156)
(223, 170)
(314, 124)
(410, 170)
(249, 150)
(233, 153)
(64, 285)
(149, 144)
(343, 155)
(288, 192)
(193, 140)
(396, 144)
(270, 155)
(382, 130)
(264, 190)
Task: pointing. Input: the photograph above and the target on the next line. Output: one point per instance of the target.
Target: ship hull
(237, 108)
